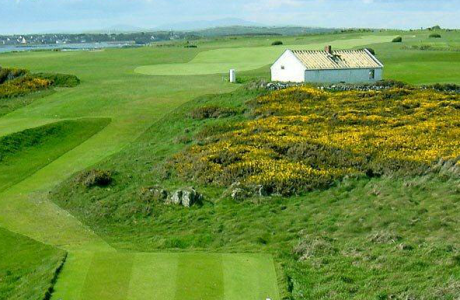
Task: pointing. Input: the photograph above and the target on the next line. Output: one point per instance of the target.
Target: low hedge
(59, 80)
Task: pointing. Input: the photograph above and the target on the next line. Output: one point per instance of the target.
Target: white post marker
(232, 76)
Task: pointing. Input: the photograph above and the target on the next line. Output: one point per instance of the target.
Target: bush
(435, 35)
(211, 112)
(372, 51)
(277, 43)
(190, 46)
(59, 80)
(22, 86)
(302, 138)
(94, 178)
(397, 39)
(10, 74)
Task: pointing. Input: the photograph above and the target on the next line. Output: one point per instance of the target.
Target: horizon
(82, 16)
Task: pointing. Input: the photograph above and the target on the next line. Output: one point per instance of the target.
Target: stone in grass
(239, 191)
(155, 193)
(185, 197)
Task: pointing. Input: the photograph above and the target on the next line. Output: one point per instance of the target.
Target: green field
(130, 88)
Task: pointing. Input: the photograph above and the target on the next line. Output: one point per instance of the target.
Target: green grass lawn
(27, 268)
(25, 152)
(167, 276)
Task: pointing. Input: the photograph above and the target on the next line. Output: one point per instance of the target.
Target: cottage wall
(288, 69)
(348, 75)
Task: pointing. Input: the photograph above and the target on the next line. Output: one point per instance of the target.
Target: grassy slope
(27, 268)
(414, 220)
(109, 89)
(8, 105)
(23, 153)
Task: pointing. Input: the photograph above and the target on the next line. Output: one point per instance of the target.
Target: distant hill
(202, 24)
(260, 30)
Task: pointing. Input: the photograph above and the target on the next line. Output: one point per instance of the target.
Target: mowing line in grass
(200, 277)
(154, 276)
(109, 276)
(259, 283)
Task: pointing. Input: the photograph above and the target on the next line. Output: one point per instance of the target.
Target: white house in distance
(349, 66)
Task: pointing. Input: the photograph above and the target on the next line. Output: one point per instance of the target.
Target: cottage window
(372, 74)
(282, 67)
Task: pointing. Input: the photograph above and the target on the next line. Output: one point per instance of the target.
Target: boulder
(185, 197)
(176, 197)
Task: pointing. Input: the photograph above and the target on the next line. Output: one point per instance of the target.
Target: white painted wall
(288, 69)
(348, 76)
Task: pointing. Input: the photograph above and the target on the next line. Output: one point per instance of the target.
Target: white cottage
(349, 66)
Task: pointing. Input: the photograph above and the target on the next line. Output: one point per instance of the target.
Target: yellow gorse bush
(303, 138)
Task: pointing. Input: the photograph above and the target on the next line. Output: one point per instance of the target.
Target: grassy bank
(27, 268)
(23, 153)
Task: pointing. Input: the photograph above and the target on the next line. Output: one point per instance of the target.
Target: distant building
(349, 66)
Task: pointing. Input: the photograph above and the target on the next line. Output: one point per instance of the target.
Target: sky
(41, 16)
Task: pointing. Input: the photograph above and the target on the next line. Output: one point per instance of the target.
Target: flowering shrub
(303, 138)
(22, 86)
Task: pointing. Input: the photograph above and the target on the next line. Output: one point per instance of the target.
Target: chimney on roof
(328, 49)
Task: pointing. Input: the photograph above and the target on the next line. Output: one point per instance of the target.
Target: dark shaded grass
(27, 267)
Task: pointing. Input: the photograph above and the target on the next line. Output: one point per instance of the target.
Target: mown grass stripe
(153, 276)
(249, 277)
(200, 277)
(109, 276)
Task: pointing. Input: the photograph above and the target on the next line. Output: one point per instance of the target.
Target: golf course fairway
(244, 59)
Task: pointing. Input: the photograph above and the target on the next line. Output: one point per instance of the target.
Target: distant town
(48, 39)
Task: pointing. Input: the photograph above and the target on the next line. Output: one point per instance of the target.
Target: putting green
(244, 59)
(167, 276)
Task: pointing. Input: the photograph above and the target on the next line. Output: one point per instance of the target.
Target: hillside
(27, 268)
(361, 236)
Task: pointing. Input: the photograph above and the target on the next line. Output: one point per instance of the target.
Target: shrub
(302, 138)
(22, 86)
(212, 111)
(372, 51)
(435, 35)
(59, 80)
(397, 39)
(10, 74)
(94, 178)
(190, 46)
(277, 43)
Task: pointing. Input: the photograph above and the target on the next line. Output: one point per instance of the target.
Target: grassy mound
(23, 153)
(303, 138)
(361, 238)
(27, 268)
